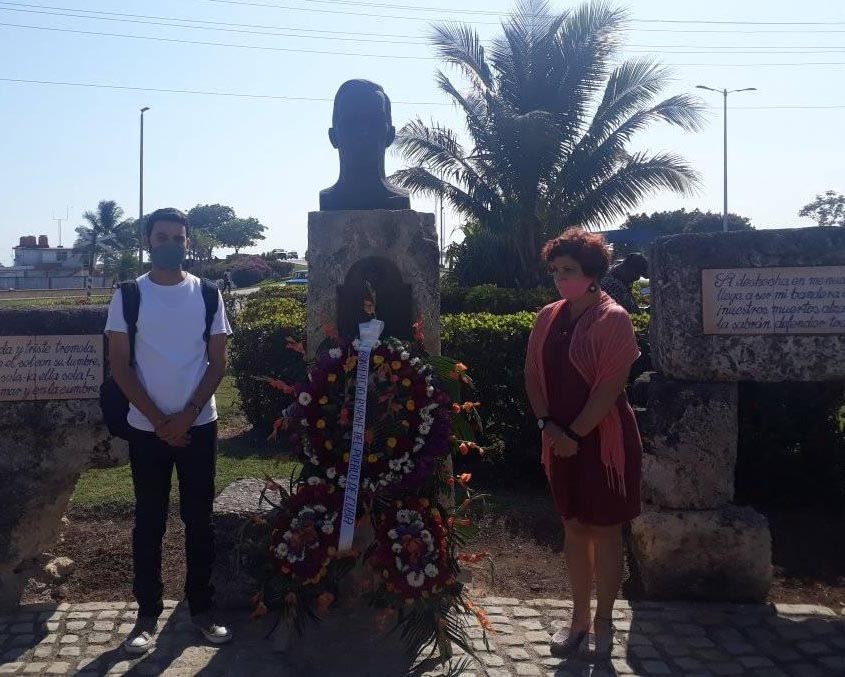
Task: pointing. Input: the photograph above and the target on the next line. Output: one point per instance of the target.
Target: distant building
(39, 266)
(32, 254)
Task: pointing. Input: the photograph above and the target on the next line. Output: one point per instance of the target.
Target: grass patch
(244, 455)
(51, 303)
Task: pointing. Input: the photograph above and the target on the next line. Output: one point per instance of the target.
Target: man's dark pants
(152, 462)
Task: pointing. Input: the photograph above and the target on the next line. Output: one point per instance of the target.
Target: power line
(219, 44)
(267, 5)
(166, 21)
(96, 85)
(273, 31)
(292, 50)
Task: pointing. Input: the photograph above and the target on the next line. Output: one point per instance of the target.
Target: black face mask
(168, 256)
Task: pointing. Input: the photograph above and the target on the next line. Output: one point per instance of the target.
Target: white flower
(429, 391)
(294, 523)
(282, 550)
(304, 421)
(331, 473)
(335, 353)
(405, 356)
(397, 548)
(328, 528)
(425, 429)
(431, 571)
(415, 579)
(429, 378)
(415, 361)
(400, 564)
(319, 508)
(304, 399)
(287, 535)
(392, 535)
(315, 460)
(356, 344)
(403, 516)
(314, 481)
(425, 535)
(341, 481)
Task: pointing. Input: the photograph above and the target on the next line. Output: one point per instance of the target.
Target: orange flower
(332, 378)
(464, 449)
(460, 367)
(456, 408)
(331, 331)
(410, 406)
(281, 385)
(351, 363)
(465, 478)
(469, 406)
(396, 365)
(324, 601)
(259, 611)
(321, 424)
(296, 346)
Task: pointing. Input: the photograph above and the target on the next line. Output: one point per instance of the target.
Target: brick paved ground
(653, 639)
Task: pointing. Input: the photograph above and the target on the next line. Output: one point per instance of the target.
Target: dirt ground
(524, 542)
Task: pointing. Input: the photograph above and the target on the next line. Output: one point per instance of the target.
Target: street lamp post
(141, 199)
(724, 93)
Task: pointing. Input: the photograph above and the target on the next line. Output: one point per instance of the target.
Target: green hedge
(488, 298)
(259, 348)
(494, 347)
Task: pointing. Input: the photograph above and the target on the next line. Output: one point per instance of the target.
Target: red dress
(579, 484)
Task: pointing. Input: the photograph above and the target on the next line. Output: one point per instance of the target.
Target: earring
(592, 288)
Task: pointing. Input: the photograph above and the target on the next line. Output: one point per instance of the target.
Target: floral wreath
(416, 421)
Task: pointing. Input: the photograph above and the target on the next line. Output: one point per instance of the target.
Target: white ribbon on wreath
(369, 334)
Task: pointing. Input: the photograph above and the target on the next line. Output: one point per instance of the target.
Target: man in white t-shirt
(172, 420)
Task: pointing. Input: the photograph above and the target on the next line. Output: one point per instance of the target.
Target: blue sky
(63, 146)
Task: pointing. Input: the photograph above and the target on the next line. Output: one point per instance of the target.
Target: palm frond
(460, 45)
(421, 181)
(640, 176)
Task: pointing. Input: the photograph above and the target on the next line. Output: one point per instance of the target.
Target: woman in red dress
(579, 357)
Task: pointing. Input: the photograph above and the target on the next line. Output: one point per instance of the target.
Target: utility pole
(724, 93)
(141, 199)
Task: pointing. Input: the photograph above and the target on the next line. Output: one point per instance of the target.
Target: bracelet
(571, 434)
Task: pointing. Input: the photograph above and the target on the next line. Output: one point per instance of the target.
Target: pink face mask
(573, 289)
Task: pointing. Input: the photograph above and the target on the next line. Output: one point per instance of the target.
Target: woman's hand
(562, 445)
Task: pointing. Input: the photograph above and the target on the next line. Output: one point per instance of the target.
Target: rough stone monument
(51, 430)
(749, 306)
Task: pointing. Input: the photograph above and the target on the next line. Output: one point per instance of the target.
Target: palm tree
(104, 232)
(550, 117)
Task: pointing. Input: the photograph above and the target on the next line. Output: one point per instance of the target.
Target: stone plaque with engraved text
(50, 367)
(807, 300)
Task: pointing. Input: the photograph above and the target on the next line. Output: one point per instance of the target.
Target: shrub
(488, 298)
(259, 348)
(247, 272)
(494, 347)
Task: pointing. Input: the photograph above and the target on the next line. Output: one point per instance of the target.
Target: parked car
(299, 278)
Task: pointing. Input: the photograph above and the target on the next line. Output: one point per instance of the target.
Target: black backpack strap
(131, 297)
(211, 298)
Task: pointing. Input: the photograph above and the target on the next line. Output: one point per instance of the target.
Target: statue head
(362, 125)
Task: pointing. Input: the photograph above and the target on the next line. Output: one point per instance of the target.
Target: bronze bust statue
(362, 130)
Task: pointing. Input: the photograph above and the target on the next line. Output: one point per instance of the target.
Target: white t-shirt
(170, 353)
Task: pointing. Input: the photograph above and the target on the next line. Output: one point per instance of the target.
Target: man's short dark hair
(167, 214)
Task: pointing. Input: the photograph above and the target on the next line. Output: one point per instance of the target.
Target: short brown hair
(590, 250)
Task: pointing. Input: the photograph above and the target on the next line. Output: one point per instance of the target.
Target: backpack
(114, 404)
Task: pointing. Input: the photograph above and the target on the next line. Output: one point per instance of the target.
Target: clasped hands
(561, 444)
(174, 429)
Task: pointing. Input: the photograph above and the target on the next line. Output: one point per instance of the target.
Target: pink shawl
(603, 346)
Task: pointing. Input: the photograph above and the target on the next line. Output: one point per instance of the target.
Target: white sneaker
(142, 638)
(214, 632)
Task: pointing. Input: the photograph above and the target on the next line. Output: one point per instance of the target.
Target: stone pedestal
(44, 447)
(680, 347)
(689, 441)
(240, 559)
(396, 251)
(714, 555)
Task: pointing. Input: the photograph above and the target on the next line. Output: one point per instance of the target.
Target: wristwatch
(572, 435)
(543, 421)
